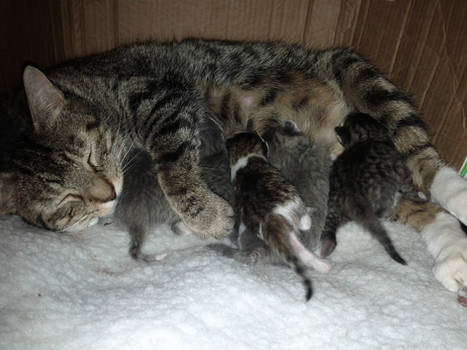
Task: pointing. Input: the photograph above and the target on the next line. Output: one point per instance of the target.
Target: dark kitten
(269, 206)
(142, 204)
(365, 182)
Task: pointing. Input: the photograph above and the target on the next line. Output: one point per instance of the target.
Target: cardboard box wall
(420, 44)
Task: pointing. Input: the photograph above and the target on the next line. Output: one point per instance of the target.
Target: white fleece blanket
(83, 292)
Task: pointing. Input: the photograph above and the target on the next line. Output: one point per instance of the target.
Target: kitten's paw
(215, 219)
(149, 258)
(451, 266)
(319, 264)
(180, 229)
(252, 257)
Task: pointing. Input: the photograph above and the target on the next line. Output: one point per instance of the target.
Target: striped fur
(270, 207)
(158, 95)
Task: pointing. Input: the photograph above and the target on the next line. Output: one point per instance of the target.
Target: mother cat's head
(66, 172)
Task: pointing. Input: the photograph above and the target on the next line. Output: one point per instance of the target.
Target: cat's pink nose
(102, 190)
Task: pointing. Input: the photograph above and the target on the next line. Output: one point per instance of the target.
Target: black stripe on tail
(301, 271)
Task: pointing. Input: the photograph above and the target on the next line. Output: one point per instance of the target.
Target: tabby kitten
(304, 165)
(269, 206)
(365, 182)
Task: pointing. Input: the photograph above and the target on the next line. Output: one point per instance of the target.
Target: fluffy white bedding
(83, 291)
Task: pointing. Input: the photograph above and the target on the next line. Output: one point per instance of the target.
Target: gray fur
(306, 166)
(152, 95)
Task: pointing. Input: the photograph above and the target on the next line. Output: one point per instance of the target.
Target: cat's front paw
(451, 266)
(215, 219)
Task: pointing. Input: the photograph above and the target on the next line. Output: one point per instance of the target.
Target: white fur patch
(241, 163)
(450, 191)
(447, 243)
(287, 210)
(308, 258)
(305, 222)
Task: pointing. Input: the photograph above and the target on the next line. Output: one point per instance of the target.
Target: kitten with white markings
(269, 206)
(306, 166)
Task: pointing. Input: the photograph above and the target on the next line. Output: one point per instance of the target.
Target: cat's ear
(8, 183)
(45, 100)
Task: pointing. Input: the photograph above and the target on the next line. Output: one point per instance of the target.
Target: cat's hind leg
(450, 191)
(446, 241)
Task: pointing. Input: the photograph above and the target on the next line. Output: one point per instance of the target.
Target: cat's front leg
(448, 244)
(446, 241)
(450, 191)
(201, 210)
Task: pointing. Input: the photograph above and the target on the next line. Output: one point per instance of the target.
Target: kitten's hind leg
(328, 240)
(138, 234)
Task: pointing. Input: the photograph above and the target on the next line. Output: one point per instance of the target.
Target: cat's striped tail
(366, 89)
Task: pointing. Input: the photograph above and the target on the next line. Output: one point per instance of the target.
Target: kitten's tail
(279, 236)
(377, 230)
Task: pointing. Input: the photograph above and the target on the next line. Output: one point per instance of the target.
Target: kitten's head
(243, 144)
(66, 173)
(284, 138)
(360, 127)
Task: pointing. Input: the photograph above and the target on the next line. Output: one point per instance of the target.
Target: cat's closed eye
(93, 163)
(70, 197)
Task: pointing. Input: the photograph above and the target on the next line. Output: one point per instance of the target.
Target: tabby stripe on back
(378, 97)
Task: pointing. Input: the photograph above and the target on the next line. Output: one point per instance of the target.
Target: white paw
(180, 229)
(451, 266)
(457, 205)
(450, 191)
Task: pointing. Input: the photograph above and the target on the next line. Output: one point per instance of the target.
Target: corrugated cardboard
(420, 44)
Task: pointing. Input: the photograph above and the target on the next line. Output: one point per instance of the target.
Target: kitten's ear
(291, 128)
(343, 135)
(44, 99)
(8, 183)
(250, 126)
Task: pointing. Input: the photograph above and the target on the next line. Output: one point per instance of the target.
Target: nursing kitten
(304, 165)
(366, 182)
(142, 204)
(269, 206)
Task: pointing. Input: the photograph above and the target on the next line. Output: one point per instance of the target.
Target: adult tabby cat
(157, 95)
